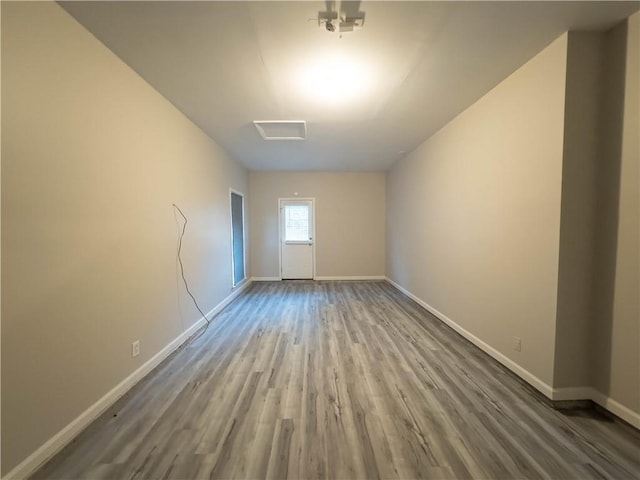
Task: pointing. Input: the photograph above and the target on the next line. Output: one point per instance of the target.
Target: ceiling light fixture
(350, 17)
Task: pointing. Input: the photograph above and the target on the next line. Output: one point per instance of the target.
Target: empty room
(320, 239)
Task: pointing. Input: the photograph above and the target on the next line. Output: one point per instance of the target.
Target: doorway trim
(315, 233)
(235, 285)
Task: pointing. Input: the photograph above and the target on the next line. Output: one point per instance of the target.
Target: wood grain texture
(339, 380)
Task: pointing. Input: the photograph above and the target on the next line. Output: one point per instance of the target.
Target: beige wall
(473, 215)
(92, 160)
(536, 186)
(581, 159)
(616, 333)
(350, 217)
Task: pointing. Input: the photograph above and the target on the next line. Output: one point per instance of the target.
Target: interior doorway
(238, 273)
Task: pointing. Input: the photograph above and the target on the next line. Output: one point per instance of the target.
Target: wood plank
(329, 379)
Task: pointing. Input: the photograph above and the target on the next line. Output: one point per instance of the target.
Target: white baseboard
(608, 403)
(574, 393)
(265, 279)
(503, 359)
(56, 443)
(615, 407)
(238, 289)
(362, 278)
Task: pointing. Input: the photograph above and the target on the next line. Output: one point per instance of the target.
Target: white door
(296, 239)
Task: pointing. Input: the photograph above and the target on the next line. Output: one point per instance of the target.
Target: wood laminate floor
(339, 380)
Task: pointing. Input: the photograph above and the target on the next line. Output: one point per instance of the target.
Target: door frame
(281, 200)
(244, 238)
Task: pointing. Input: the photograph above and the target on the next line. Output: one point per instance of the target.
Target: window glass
(296, 223)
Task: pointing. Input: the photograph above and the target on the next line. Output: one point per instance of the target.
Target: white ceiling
(226, 64)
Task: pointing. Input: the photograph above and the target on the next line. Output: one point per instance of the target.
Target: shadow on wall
(607, 221)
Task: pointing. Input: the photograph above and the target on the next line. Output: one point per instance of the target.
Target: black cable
(184, 279)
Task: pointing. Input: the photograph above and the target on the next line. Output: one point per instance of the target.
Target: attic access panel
(282, 130)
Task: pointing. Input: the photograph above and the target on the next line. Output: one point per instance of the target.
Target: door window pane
(296, 223)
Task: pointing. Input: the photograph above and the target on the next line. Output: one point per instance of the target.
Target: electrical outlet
(135, 348)
(517, 344)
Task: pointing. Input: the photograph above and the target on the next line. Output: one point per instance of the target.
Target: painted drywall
(473, 215)
(92, 160)
(350, 221)
(615, 362)
(580, 172)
